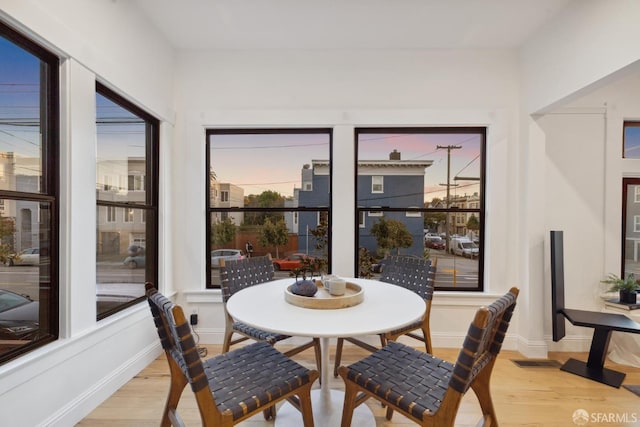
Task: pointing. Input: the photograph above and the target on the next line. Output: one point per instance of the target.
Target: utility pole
(448, 185)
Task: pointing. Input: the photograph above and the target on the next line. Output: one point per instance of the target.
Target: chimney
(394, 155)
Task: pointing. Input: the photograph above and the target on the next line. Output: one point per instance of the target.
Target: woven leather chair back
(409, 272)
(175, 336)
(241, 273)
(484, 340)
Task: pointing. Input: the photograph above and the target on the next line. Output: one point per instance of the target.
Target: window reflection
(126, 227)
(20, 120)
(28, 142)
(25, 288)
(121, 258)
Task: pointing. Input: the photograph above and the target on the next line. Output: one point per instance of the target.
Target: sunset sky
(259, 162)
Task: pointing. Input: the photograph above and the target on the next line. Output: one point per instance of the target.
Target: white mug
(337, 286)
(326, 281)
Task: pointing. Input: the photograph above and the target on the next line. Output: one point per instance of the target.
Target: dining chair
(239, 274)
(229, 387)
(415, 274)
(425, 388)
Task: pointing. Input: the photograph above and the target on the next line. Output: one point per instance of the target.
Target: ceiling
(349, 24)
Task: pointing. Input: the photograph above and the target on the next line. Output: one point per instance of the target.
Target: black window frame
(228, 210)
(482, 131)
(151, 185)
(50, 182)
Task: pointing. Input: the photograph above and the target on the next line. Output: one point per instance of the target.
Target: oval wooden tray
(354, 295)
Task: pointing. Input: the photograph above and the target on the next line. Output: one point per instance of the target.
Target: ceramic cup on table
(337, 286)
(326, 281)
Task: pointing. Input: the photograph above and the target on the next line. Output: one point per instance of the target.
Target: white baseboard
(78, 408)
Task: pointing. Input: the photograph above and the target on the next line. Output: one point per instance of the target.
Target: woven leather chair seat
(412, 379)
(251, 377)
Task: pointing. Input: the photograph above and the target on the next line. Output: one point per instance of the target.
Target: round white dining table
(385, 307)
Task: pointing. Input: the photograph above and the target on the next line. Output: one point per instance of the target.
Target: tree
(365, 263)
(223, 232)
(473, 223)
(274, 234)
(321, 235)
(432, 220)
(266, 199)
(7, 231)
(391, 234)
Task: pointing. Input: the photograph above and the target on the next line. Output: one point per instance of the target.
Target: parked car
(464, 247)
(136, 258)
(226, 254)
(19, 316)
(291, 262)
(29, 256)
(434, 242)
(135, 261)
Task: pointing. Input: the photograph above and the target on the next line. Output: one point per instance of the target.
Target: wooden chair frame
(437, 403)
(186, 367)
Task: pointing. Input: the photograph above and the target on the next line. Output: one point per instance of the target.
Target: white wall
(583, 186)
(344, 90)
(590, 45)
(590, 41)
(60, 383)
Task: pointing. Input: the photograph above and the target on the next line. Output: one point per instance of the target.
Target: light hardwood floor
(530, 396)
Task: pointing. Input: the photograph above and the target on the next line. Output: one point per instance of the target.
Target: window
(29, 169)
(377, 184)
(418, 182)
(108, 183)
(136, 182)
(630, 226)
(128, 215)
(631, 140)
(127, 253)
(270, 205)
(415, 213)
(224, 196)
(111, 213)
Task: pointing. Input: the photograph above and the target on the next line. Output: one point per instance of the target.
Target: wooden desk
(385, 307)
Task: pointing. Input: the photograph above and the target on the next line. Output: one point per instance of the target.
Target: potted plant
(626, 287)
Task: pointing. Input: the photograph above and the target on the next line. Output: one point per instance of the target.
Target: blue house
(392, 183)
